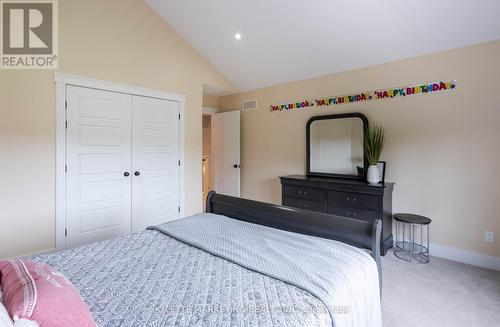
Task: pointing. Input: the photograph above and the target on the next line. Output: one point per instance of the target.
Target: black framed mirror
(335, 146)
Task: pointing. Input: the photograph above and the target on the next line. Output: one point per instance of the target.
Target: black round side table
(411, 233)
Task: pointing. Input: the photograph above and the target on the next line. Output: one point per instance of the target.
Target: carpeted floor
(441, 293)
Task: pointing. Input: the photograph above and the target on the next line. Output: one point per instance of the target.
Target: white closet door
(227, 153)
(98, 158)
(155, 161)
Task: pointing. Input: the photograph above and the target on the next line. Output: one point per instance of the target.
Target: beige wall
(117, 40)
(443, 149)
(210, 101)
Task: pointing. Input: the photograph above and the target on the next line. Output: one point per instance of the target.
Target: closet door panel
(155, 161)
(98, 154)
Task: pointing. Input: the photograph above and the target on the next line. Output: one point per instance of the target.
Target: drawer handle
(351, 214)
(349, 199)
(302, 205)
(302, 192)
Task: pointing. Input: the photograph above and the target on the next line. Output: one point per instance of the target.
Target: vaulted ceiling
(289, 40)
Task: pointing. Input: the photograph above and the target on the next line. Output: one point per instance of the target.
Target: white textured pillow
(5, 320)
(25, 323)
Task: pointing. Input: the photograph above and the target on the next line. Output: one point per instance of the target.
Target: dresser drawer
(355, 199)
(303, 204)
(304, 193)
(362, 214)
(352, 200)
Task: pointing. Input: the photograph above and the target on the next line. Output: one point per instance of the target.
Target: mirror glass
(336, 146)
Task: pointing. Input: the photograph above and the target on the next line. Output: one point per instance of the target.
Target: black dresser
(342, 197)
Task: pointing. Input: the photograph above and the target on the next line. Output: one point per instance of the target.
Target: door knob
(137, 173)
(126, 174)
(235, 166)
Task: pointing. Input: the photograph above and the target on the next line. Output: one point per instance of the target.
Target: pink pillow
(37, 292)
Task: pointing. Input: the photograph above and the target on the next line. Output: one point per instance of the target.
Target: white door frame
(62, 80)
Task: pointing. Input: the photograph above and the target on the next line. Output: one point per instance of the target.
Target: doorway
(220, 152)
(207, 157)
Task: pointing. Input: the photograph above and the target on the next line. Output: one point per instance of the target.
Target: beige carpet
(441, 293)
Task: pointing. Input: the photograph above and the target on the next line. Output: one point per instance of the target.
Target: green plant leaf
(374, 143)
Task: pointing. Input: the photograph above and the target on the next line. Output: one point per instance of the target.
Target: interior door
(155, 161)
(226, 132)
(98, 159)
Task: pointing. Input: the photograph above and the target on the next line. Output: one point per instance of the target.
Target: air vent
(249, 104)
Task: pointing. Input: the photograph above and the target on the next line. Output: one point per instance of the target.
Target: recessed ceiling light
(237, 36)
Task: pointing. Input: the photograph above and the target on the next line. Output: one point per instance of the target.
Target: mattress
(174, 275)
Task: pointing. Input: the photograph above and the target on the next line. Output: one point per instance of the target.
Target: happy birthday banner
(369, 96)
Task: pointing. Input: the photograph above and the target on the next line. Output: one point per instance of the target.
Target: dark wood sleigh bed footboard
(358, 233)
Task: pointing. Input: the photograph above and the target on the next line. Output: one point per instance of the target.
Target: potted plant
(373, 145)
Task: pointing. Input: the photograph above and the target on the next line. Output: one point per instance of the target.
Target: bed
(242, 263)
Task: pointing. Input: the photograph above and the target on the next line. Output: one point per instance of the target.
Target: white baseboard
(464, 256)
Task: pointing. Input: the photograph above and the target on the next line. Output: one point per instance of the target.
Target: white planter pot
(373, 177)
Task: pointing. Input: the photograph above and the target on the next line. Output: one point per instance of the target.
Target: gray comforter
(209, 270)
